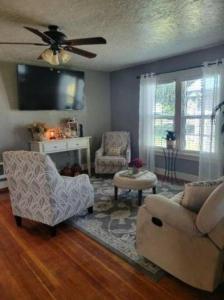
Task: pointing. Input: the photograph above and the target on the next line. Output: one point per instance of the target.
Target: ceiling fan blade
(42, 35)
(80, 52)
(12, 43)
(86, 41)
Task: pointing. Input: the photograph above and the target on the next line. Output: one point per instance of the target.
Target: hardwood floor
(72, 266)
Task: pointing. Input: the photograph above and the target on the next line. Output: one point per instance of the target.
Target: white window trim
(178, 77)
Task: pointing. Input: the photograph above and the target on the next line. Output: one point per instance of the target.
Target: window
(195, 118)
(191, 114)
(164, 112)
(180, 106)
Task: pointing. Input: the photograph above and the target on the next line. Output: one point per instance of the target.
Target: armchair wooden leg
(139, 197)
(154, 190)
(18, 221)
(115, 192)
(90, 210)
(53, 230)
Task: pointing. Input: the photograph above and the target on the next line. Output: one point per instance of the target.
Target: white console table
(3, 181)
(64, 145)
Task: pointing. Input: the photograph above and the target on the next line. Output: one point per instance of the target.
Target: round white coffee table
(146, 180)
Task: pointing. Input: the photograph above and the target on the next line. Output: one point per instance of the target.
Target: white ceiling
(136, 30)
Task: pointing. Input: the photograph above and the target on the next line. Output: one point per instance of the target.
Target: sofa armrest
(79, 189)
(172, 213)
(99, 152)
(72, 181)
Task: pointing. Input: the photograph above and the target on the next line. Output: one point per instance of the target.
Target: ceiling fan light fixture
(60, 48)
(49, 56)
(46, 55)
(64, 56)
(55, 59)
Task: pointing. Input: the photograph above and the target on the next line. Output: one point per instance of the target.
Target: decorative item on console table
(170, 140)
(3, 181)
(136, 164)
(67, 132)
(38, 131)
(70, 127)
(54, 133)
(81, 134)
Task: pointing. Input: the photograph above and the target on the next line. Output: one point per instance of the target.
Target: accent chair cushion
(114, 151)
(116, 139)
(196, 193)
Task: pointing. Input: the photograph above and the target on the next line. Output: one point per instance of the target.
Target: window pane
(161, 125)
(164, 111)
(192, 96)
(196, 115)
(165, 99)
(192, 134)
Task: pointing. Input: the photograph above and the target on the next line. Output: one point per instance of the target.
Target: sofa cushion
(212, 211)
(196, 193)
(111, 160)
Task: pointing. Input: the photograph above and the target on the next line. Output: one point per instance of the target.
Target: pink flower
(136, 162)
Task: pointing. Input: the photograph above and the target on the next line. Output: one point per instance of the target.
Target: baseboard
(180, 175)
(160, 171)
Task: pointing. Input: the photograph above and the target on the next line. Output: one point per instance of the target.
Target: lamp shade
(49, 56)
(64, 56)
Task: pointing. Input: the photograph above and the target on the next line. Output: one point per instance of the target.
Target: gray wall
(125, 95)
(95, 117)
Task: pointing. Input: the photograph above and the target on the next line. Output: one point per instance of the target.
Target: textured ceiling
(136, 30)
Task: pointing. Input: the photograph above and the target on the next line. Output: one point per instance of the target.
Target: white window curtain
(211, 141)
(146, 120)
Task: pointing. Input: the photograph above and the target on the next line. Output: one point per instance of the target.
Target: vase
(135, 170)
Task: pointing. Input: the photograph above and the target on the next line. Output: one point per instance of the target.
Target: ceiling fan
(59, 47)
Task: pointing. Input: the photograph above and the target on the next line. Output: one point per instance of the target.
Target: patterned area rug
(113, 223)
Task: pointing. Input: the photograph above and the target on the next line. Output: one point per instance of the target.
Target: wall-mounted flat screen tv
(41, 88)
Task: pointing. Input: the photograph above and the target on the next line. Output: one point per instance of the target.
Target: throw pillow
(114, 151)
(212, 211)
(195, 193)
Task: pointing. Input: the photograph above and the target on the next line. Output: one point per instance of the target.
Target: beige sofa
(186, 244)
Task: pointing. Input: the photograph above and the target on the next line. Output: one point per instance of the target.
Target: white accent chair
(39, 193)
(108, 164)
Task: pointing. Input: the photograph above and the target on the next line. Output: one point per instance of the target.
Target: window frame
(179, 77)
(166, 117)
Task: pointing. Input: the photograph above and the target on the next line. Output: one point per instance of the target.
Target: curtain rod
(184, 69)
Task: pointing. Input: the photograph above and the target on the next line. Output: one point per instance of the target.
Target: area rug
(113, 223)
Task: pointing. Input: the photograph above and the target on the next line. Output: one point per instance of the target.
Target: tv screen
(41, 88)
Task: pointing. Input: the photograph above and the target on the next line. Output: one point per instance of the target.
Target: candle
(52, 135)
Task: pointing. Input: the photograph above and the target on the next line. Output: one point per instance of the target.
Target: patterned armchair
(107, 162)
(39, 193)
